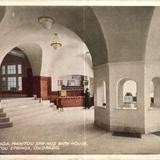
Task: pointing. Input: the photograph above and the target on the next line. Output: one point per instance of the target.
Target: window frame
(15, 74)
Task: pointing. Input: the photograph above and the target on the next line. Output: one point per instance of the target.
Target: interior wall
(101, 73)
(34, 54)
(131, 120)
(24, 19)
(123, 27)
(42, 56)
(152, 114)
(71, 59)
(152, 65)
(102, 113)
(26, 43)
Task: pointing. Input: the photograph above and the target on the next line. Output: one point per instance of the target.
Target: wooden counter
(70, 101)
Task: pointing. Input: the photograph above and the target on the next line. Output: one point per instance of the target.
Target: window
(20, 83)
(127, 94)
(12, 83)
(11, 79)
(19, 69)
(3, 70)
(3, 84)
(11, 69)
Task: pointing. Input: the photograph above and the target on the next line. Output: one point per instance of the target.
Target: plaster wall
(25, 18)
(101, 113)
(101, 74)
(130, 120)
(125, 31)
(124, 27)
(101, 117)
(34, 55)
(45, 61)
(152, 117)
(70, 59)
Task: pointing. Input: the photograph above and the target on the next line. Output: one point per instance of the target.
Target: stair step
(26, 111)
(14, 110)
(19, 104)
(22, 107)
(11, 100)
(8, 96)
(4, 119)
(6, 124)
(2, 114)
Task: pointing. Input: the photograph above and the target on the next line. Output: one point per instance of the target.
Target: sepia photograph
(79, 80)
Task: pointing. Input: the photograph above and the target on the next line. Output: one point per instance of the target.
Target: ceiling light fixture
(56, 44)
(46, 21)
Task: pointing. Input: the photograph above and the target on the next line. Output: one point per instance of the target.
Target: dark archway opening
(15, 75)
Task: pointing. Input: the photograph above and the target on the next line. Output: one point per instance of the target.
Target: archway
(36, 33)
(15, 71)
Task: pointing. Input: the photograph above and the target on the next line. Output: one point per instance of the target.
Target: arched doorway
(15, 70)
(36, 33)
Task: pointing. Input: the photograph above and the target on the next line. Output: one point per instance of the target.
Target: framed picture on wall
(71, 83)
(60, 82)
(77, 77)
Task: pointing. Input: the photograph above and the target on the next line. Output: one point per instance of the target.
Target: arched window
(155, 92)
(13, 69)
(127, 93)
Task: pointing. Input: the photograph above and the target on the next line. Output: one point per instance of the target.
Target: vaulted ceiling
(112, 34)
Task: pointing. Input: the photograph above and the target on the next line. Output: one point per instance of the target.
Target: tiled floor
(71, 132)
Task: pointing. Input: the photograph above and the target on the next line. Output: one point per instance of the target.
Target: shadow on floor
(156, 133)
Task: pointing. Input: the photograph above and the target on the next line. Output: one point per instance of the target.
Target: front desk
(74, 101)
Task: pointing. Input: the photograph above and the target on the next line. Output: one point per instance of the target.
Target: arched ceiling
(153, 40)
(81, 21)
(125, 30)
(112, 34)
(35, 42)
